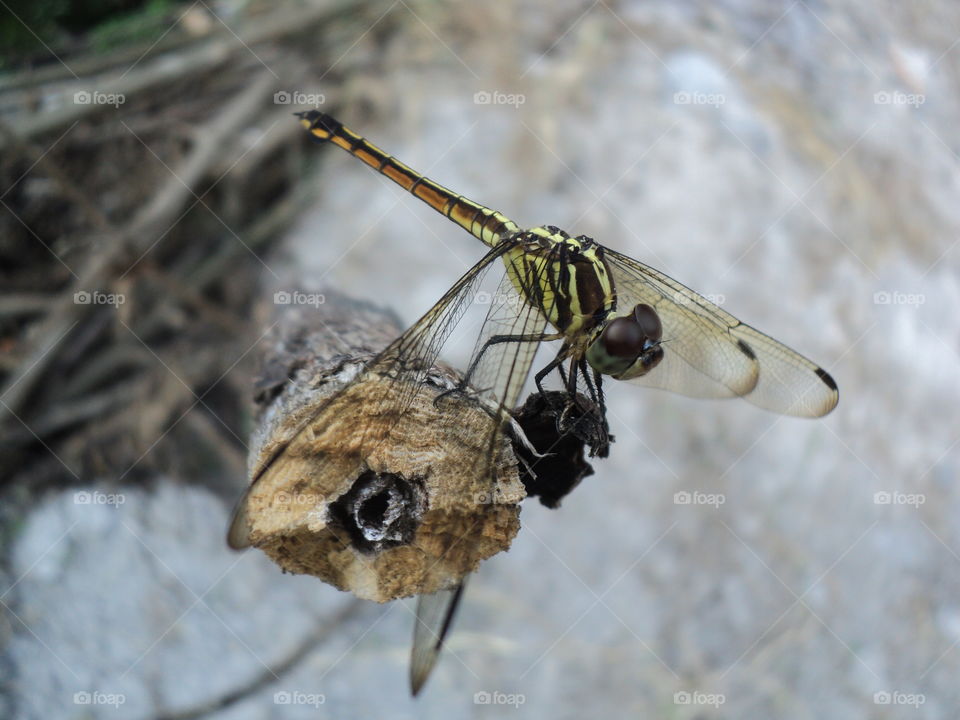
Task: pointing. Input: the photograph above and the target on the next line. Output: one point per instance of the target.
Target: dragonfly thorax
(567, 278)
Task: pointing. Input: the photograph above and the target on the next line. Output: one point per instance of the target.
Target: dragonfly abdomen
(485, 224)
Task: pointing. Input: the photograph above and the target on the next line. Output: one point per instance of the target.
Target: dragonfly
(613, 316)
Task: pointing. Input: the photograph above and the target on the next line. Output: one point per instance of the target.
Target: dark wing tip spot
(827, 380)
(747, 350)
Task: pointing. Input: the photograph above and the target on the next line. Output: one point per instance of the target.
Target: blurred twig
(171, 66)
(144, 230)
(347, 612)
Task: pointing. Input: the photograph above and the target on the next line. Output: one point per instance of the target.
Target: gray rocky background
(796, 160)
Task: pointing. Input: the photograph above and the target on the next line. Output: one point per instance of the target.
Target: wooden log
(405, 515)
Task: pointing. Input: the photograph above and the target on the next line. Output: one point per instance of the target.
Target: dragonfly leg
(598, 378)
(556, 363)
(494, 340)
(571, 385)
(583, 417)
(598, 437)
(592, 381)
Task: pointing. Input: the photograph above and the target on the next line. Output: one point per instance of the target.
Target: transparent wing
(501, 368)
(435, 612)
(405, 362)
(709, 353)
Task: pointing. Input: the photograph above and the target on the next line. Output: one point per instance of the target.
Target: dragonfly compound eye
(628, 346)
(617, 346)
(624, 337)
(649, 322)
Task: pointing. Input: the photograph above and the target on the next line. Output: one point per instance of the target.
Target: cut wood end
(414, 515)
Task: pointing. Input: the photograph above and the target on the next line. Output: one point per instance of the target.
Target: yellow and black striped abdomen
(488, 226)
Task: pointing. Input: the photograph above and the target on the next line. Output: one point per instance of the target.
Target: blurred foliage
(145, 24)
(21, 26)
(35, 25)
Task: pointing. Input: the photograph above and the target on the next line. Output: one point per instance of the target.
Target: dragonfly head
(628, 346)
